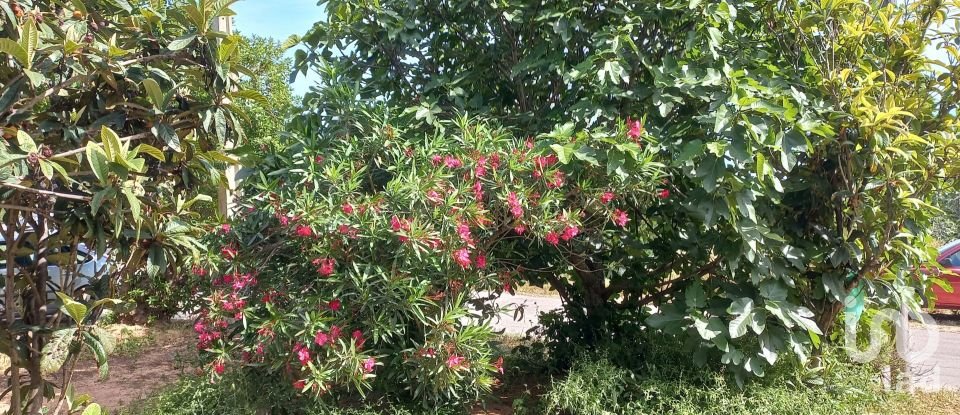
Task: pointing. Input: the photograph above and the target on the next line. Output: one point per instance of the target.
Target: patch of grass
(923, 403)
(255, 393)
(595, 385)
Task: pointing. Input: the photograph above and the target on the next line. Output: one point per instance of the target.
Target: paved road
(531, 306)
(934, 358)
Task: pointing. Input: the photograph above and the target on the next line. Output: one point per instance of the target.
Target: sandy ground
(135, 374)
(144, 361)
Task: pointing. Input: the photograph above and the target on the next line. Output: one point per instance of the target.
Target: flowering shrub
(370, 260)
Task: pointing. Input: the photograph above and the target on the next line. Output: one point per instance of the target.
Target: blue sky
(278, 19)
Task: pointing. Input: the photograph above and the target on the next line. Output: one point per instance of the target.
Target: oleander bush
(366, 257)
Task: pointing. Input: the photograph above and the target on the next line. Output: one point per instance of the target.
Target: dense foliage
(369, 253)
(803, 143)
(264, 57)
(946, 226)
(113, 115)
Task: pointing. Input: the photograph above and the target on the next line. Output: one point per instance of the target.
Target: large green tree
(804, 141)
(270, 71)
(113, 115)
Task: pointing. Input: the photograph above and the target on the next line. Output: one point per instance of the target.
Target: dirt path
(155, 362)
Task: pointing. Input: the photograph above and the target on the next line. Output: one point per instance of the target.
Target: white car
(90, 269)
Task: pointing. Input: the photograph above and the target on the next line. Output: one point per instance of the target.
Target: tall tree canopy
(804, 141)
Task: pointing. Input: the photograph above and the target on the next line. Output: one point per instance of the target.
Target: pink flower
(663, 194)
(477, 190)
(318, 159)
(607, 197)
(620, 218)
(481, 169)
(321, 339)
(348, 231)
(540, 163)
(635, 129)
(455, 361)
(552, 238)
(499, 364)
(334, 332)
(229, 252)
(347, 208)
(436, 160)
(514, 204)
(452, 162)
(462, 256)
(225, 228)
(559, 179)
(268, 297)
(283, 219)
(570, 232)
(428, 352)
(304, 231)
(219, 367)
(303, 353)
(368, 364)
(481, 261)
(299, 384)
(198, 271)
(325, 266)
(334, 304)
(520, 229)
(495, 161)
(463, 229)
(434, 197)
(358, 338)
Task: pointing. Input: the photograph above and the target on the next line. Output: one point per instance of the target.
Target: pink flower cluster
(325, 266)
(401, 226)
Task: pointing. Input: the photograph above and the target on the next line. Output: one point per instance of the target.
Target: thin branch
(47, 192)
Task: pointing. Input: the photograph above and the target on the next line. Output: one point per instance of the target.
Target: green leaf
(587, 154)
(695, 296)
(742, 308)
(99, 353)
(93, 409)
(709, 329)
(29, 40)
(77, 311)
(112, 147)
(561, 152)
(99, 197)
(123, 4)
(220, 125)
(14, 49)
(169, 136)
(254, 96)
(153, 92)
(833, 284)
(156, 261)
(663, 319)
(78, 5)
(182, 42)
(46, 169)
(26, 142)
(150, 150)
(98, 161)
(56, 351)
(134, 205)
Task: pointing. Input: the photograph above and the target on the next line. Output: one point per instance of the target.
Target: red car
(950, 259)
